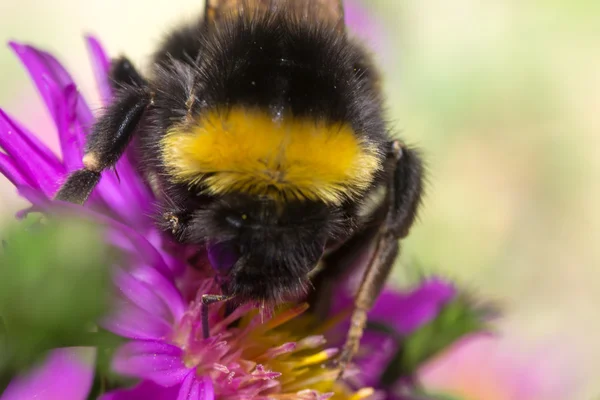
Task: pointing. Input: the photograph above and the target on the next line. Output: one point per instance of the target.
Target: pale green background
(504, 99)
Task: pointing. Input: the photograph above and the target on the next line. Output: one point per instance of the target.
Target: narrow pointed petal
(127, 196)
(29, 164)
(409, 311)
(37, 146)
(140, 294)
(32, 60)
(130, 239)
(41, 65)
(11, 171)
(101, 65)
(156, 295)
(132, 186)
(130, 321)
(147, 390)
(66, 374)
(194, 388)
(83, 111)
(153, 360)
(67, 107)
(109, 190)
(65, 100)
(163, 288)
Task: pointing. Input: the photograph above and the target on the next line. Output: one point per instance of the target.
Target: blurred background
(503, 98)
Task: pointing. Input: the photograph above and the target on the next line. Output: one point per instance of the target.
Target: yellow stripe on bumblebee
(246, 151)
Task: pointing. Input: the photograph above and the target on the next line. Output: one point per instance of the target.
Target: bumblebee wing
(325, 11)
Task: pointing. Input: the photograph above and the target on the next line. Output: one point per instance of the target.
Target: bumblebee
(260, 128)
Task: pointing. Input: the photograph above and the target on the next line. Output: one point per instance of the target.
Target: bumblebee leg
(106, 143)
(349, 257)
(404, 194)
(208, 299)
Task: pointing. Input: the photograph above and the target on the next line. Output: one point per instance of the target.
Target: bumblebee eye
(223, 255)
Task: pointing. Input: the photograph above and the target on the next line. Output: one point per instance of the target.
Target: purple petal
(32, 60)
(154, 360)
(378, 350)
(36, 146)
(67, 107)
(194, 388)
(68, 130)
(34, 168)
(141, 294)
(111, 192)
(146, 390)
(143, 249)
(163, 288)
(11, 171)
(127, 197)
(84, 113)
(409, 311)
(130, 198)
(101, 65)
(135, 187)
(132, 322)
(65, 375)
(403, 311)
(152, 305)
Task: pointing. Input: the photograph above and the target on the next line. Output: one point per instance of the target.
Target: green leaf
(455, 320)
(54, 286)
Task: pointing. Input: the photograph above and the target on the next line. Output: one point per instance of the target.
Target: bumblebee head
(260, 248)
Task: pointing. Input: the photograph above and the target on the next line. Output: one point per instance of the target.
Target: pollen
(247, 151)
(284, 357)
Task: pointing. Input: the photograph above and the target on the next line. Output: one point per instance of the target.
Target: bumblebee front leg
(110, 135)
(207, 300)
(404, 194)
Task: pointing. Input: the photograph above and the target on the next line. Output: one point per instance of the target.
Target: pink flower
(65, 375)
(250, 354)
(493, 368)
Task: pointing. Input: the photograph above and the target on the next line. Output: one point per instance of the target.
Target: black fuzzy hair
(281, 63)
(275, 61)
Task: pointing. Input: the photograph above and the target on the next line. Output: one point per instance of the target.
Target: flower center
(276, 353)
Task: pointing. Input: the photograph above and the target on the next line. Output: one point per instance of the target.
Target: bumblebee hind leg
(399, 211)
(111, 134)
